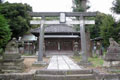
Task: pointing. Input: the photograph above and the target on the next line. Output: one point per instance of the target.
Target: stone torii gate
(62, 20)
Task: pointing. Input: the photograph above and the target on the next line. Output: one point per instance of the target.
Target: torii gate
(62, 20)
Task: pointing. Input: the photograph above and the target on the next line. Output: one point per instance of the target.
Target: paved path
(62, 63)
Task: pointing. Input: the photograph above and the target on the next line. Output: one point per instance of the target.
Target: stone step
(13, 67)
(65, 77)
(11, 71)
(64, 72)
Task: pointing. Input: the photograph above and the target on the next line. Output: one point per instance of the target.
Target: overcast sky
(66, 5)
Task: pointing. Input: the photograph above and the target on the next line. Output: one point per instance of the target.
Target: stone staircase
(64, 75)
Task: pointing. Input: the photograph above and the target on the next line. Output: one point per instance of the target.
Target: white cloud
(101, 5)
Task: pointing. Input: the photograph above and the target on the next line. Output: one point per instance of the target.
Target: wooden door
(51, 45)
(66, 45)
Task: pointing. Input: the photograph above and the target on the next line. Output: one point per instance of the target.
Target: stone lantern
(76, 51)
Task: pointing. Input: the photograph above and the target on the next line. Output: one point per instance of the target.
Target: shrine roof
(56, 28)
(29, 37)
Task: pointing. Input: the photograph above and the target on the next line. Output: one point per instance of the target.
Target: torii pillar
(83, 36)
(41, 41)
(83, 40)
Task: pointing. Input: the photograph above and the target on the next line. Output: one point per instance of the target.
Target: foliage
(17, 16)
(52, 18)
(5, 33)
(108, 29)
(1, 51)
(97, 62)
(117, 31)
(105, 27)
(77, 7)
(95, 29)
(77, 58)
(116, 9)
(116, 6)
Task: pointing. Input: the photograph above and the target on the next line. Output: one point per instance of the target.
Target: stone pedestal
(113, 52)
(113, 56)
(12, 61)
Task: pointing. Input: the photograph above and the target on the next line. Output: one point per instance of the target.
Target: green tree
(95, 29)
(117, 30)
(116, 9)
(5, 33)
(79, 5)
(18, 17)
(105, 27)
(116, 6)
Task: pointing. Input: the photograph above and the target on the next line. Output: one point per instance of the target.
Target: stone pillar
(83, 40)
(41, 41)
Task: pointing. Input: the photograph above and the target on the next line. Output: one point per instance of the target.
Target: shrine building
(59, 37)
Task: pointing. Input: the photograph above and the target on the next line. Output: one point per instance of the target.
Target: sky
(66, 5)
(101, 5)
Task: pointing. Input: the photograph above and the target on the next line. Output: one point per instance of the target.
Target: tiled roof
(29, 37)
(57, 28)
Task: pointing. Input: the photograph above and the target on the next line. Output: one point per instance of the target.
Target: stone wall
(106, 76)
(18, 76)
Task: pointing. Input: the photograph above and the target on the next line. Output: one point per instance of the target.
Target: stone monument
(12, 61)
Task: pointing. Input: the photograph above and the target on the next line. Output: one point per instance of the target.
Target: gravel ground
(29, 61)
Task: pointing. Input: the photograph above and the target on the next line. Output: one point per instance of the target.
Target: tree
(79, 5)
(95, 29)
(105, 27)
(18, 17)
(5, 32)
(116, 6)
(116, 9)
(117, 30)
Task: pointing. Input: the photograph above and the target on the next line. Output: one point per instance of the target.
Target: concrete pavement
(61, 62)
